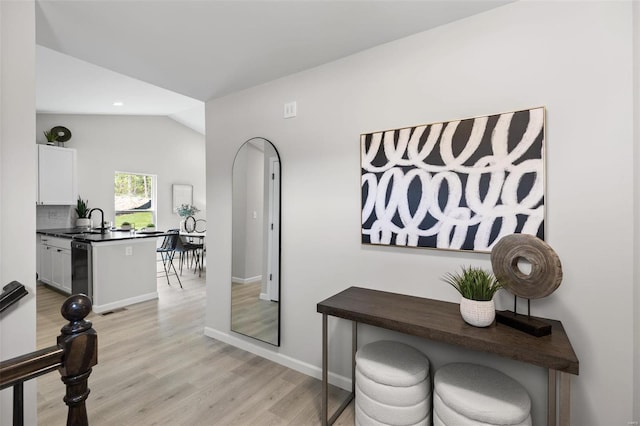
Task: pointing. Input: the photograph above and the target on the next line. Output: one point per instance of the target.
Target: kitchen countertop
(94, 235)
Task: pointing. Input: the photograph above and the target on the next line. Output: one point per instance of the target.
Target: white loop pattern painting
(458, 185)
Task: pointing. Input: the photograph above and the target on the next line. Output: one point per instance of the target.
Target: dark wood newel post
(80, 344)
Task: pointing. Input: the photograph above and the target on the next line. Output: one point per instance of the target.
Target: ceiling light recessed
(118, 103)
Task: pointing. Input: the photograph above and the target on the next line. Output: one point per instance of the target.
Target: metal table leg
(325, 383)
(565, 399)
(559, 415)
(354, 348)
(325, 374)
(551, 398)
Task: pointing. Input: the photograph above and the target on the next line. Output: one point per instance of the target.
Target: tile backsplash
(51, 217)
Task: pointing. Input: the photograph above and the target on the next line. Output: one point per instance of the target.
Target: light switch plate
(290, 109)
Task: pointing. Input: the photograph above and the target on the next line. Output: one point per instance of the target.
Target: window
(135, 199)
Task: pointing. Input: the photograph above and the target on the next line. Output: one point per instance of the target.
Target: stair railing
(74, 355)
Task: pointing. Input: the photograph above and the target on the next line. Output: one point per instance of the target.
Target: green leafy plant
(151, 225)
(82, 208)
(50, 135)
(126, 224)
(474, 283)
(186, 210)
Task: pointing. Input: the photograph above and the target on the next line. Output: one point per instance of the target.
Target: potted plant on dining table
(185, 211)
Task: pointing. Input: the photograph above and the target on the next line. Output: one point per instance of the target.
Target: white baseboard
(98, 309)
(246, 280)
(295, 364)
(265, 296)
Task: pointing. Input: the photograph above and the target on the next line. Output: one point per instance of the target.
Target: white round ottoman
(470, 394)
(393, 386)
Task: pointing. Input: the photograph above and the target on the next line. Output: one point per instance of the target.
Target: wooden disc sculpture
(63, 134)
(546, 270)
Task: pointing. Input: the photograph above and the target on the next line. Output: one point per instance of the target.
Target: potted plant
(186, 210)
(51, 136)
(477, 288)
(82, 210)
(125, 226)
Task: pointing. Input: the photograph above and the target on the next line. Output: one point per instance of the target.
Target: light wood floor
(251, 315)
(155, 367)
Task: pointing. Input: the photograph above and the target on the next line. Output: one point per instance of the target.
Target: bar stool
(472, 394)
(393, 386)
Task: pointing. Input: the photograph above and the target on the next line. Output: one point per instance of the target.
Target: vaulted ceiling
(208, 48)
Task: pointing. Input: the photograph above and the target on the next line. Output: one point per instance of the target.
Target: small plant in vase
(51, 136)
(477, 288)
(126, 226)
(82, 210)
(185, 211)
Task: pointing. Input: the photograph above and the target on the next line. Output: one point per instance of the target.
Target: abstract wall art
(457, 185)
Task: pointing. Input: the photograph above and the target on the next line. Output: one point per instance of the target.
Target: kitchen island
(115, 268)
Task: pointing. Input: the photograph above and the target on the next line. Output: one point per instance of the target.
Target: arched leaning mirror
(255, 281)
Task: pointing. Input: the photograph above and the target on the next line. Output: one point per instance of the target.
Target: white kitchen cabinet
(54, 262)
(57, 175)
(44, 262)
(61, 269)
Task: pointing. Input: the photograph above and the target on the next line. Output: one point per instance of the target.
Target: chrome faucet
(102, 228)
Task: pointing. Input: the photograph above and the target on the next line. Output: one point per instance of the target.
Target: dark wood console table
(441, 321)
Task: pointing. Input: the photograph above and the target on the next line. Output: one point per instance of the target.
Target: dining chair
(167, 253)
(188, 252)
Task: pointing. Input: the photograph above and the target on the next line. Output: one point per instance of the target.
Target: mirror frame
(279, 234)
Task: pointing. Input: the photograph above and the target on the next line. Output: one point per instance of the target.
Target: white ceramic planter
(83, 222)
(478, 313)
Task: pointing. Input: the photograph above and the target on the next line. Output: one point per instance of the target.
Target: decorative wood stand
(441, 321)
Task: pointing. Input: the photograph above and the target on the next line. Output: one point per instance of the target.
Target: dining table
(200, 237)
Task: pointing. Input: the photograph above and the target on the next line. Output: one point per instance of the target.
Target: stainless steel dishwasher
(81, 269)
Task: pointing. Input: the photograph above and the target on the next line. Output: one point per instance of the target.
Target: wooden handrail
(11, 293)
(74, 356)
(29, 366)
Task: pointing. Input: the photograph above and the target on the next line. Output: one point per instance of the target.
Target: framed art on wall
(182, 194)
(458, 185)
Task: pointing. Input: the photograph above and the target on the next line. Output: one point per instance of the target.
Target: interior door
(273, 255)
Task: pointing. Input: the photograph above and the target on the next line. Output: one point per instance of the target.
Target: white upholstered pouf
(472, 394)
(392, 363)
(394, 395)
(392, 414)
(393, 386)
(362, 419)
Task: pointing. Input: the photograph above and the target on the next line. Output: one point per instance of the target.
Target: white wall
(17, 189)
(636, 115)
(253, 215)
(239, 208)
(248, 191)
(138, 144)
(572, 57)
